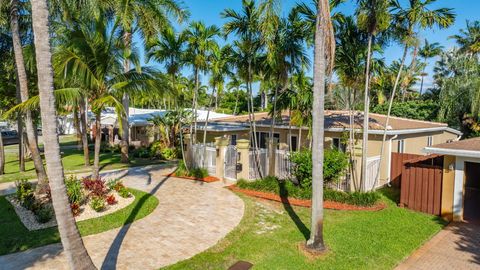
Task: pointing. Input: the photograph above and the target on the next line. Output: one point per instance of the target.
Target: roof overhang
(452, 152)
(400, 131)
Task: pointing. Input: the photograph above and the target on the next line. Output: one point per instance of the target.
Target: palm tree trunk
(251, 115)
(21, 145)
(84, 130)
(76, 125)
(366, 119)
(236, 102)
(23, 86)
(390, 103)
(193, 125)
(205, 129)
(127, 40)
(316, 242)
(2, 155)
(98, 141)
(77, 255)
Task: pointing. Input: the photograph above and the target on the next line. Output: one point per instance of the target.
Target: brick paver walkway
(191, 217)
(455, 247)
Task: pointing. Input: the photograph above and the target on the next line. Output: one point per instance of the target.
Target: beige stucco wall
(414, 143)
(448, 187)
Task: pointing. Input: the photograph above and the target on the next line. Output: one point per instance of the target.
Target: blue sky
(209, 11)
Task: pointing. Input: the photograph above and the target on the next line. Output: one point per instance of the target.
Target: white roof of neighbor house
(140, 117)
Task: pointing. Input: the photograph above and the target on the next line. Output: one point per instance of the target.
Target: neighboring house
(460, 199)
(403, 135)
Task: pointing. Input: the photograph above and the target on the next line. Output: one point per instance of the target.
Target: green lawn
(72, 161)
(15, 237)
(355, 239)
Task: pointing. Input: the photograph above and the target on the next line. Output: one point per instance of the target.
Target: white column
(458, 189)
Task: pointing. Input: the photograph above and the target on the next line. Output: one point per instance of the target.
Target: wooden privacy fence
(397, 166)
(421, 185)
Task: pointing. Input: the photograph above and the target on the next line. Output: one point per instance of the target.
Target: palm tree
(428, 50)
(22, 84)
(201, 42)
(373, 17)
(72, 243)
(90, 60)
(409, 20)
(148, 18)
(323, 64)
(469, 39)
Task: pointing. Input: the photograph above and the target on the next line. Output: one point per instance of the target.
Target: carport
(461, 179)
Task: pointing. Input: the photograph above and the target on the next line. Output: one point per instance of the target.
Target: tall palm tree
(72, 243)
(201, 42)
(373, 17)
(22, 84)
(90, 58)
(469, 38)
(428, 51)
(409, 20)
(148, 18)
(323, 63)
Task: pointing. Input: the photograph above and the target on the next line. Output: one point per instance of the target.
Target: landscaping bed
(206, 179)
(14, 237)
(303, 202)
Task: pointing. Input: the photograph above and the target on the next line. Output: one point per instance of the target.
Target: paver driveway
(455, 247)
(191, 217)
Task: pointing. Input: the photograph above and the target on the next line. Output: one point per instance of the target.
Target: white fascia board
(452, 152)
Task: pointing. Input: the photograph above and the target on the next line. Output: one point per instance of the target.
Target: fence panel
(397, 166)
(204, 156)
(283, 164)
(262, 159)
(373, 164)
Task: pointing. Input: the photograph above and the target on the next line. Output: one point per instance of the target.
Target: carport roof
(466, 148)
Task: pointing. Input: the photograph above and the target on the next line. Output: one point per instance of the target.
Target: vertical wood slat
(412, 187)
(404, 188)
(437, 192)
(431, 185)
(418, 188)
(425, 176)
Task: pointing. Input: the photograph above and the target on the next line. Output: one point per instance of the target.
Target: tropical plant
(97, 203)
(428, 51)
(77, 255)
(469, 38)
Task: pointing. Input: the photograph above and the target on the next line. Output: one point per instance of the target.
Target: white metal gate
(211, 159)
(262, 159)
(282, 164)
(230, 169)
(372, 168)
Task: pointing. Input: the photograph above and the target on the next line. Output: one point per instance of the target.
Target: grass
(72, 161)
(15, 237)
(269, 234)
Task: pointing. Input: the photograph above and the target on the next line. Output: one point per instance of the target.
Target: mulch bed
(305, 203)
(208, 179)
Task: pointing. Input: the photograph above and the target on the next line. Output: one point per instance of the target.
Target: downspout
(389, 166)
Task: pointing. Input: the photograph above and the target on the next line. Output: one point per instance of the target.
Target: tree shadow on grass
(291, 212)
(111, 258)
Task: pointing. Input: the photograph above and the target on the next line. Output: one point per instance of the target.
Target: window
(293, 143)
(337, 144)
(233, 139)
(429, 141)
(401, 146)
(262, 139)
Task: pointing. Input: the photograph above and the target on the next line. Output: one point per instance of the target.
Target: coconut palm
(201, 42)
(469, 38)
(429, 50)
(323, 63)
(373, 17)
(148, 18)
(22, 83)
(90, 59)
(416, 16)
(72, 243)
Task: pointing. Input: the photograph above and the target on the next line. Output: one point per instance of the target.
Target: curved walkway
(191, 217)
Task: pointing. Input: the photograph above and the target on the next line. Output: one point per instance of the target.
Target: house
(403, 136)
(460, 197)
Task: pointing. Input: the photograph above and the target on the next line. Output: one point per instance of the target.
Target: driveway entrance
(471, 210)
(455, 247)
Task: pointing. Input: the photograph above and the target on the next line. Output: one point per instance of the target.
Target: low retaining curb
(208, 179)
(305, 203)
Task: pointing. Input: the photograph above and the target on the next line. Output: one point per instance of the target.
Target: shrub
(355, 198)
(111, 199)
(169, 153)
(75, 207)
(124, 193)
(199, 173)
(334, 165)
(95, 186)
(25, 194)
(112, 183)
(181, 169)
(97, 203)
(118, 186)
(44, 213)
(141, 152)
(74, 190)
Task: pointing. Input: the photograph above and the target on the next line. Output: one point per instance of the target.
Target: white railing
(262, 159)
(373, 163)
(283, 165)
(204, 156)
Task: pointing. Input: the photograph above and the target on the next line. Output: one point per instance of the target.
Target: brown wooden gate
(421, 184)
